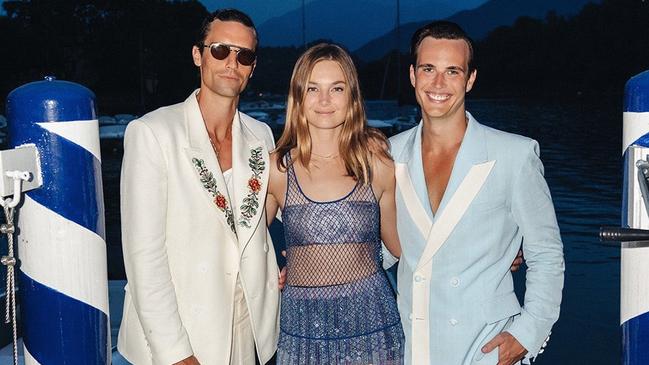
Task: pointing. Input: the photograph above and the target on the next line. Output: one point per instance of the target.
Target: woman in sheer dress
(333, 179)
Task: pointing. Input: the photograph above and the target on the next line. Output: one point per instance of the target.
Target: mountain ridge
(477, 22)
(378, 17)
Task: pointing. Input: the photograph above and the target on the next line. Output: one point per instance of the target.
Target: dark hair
(225, 15)
(441, 29)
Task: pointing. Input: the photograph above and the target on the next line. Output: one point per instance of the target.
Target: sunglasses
(220, 51)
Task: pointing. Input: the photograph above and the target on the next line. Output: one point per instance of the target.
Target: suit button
(455, 282)
(265, 247)
(418, 278)
(410, 317)
(453, 321)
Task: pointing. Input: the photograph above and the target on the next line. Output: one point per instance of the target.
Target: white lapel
(411, 183)
(250, 161)
(206, 166)
(413, 203)
(457, 205)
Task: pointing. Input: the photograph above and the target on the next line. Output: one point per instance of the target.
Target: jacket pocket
(501, 307)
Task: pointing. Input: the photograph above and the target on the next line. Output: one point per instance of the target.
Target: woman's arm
(276, 189)
(385, 184)
(271, 208)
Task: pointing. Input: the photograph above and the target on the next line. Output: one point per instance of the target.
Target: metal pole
(634, 289)
(61, 240)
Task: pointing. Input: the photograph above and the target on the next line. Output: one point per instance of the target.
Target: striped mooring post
(63, 287)
(634, 278)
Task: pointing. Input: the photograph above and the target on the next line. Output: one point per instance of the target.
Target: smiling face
(225, 78)
(326, 101)
(441, 78)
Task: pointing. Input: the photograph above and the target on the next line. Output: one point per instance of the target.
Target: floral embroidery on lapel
(209, 183)
(251, 201)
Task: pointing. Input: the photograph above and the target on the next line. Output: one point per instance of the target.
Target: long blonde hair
(358, 142)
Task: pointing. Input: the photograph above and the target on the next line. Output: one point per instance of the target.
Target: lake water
(581, 149)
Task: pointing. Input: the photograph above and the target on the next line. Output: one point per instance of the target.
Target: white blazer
(185, 239)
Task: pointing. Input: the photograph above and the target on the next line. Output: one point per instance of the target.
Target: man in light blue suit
(467, 197)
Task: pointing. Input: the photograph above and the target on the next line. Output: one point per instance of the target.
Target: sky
(259, 10)
(262, 10)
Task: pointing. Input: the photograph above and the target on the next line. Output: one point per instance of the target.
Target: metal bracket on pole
(20, 164)
(20, 171)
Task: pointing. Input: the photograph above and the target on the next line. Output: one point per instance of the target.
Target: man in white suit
(467, 197)
(202, 275)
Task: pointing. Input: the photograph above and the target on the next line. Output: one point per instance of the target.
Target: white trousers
(242, 351)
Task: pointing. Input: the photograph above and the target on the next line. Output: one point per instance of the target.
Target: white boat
(260, 105)
(115, 131)
(381, 125)
(377, 123)
(249, 106)
(403, 122)
(260, 116)
(107, 120)
(124, 118)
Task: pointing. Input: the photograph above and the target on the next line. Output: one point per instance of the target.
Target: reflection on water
(581, 149)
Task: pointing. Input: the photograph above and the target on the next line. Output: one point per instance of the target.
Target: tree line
(136, 55)
(591, 54)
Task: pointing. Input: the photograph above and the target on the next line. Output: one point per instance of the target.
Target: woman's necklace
(328, 157)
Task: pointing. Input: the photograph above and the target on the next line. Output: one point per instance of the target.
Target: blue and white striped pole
(634, 279)
(61, 240)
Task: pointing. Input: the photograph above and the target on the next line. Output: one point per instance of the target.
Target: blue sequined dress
(337, 306)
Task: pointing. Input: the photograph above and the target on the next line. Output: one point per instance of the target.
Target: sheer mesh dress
(337, 306)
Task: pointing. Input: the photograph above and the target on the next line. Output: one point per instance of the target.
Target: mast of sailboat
(398, 51)
(389, 58)
(303, 26)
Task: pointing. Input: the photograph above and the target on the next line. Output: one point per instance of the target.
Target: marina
(583, 168)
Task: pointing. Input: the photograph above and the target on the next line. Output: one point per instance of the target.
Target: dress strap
(293, 193)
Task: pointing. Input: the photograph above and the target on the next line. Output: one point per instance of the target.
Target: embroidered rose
(254, 185)
(221, 202)
(209, 183)
(251, 201)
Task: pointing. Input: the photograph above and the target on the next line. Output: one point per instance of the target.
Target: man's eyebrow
(457, 68)
(428, 65)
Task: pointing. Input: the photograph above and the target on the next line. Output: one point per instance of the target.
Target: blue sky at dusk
(262, 10)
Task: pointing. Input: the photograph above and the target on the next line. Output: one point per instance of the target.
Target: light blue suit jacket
(471, 289)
